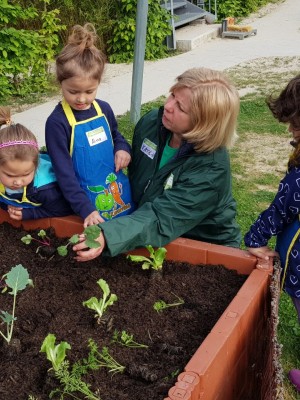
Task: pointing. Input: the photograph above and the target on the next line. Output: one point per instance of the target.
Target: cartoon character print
(109, 201)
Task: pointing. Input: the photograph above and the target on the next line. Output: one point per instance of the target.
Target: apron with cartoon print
(43, 176)
(92, 153)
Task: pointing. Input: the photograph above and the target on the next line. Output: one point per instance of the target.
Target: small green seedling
(44, 239)
(16, 279)
(70, 378)
(155, 261)
(125, 339)
(100, 305)
(105, 359)
(55, 353)
(161, 305)
(91, 234)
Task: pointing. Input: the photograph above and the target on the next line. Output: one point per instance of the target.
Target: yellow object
(238, 28)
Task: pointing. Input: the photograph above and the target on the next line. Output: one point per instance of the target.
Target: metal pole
(138, 60)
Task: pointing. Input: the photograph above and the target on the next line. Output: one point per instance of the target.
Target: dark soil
(54, 305)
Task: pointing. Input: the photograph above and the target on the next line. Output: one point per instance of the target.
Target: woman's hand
(93, 219)
(84, 253)
(15, 212)
(122, 159)
(263, 252)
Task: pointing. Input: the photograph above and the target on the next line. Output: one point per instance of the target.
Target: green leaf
(7, 318)
(74, 239)
(62, 250)
(55, 354)
(27, 239)
(17, 279)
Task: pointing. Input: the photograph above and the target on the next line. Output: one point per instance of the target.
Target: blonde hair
(80, 55)
(16, 141)
(215, 105)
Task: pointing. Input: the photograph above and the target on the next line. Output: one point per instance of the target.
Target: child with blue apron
(92, 152)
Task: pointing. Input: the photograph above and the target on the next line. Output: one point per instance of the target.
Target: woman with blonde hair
(180, 170)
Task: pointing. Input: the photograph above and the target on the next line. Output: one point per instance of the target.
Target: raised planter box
(236, 357)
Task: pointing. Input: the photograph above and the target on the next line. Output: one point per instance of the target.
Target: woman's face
(176, 116)
(15, 174)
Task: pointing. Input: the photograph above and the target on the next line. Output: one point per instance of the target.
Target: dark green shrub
(25, 53)
(121, 44)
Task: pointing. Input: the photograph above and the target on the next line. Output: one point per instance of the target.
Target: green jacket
(190, 196)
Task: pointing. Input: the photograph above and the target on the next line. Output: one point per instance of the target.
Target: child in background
(281, 218)
(28, 187)
(82, 138)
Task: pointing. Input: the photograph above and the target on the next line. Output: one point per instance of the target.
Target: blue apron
(43, 176)
(92, 152)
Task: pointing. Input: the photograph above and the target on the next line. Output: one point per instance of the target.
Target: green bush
(121, 44)
(239, 8)
(25, 53)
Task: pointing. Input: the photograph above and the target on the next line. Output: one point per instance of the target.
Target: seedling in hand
(91, 234)
(161, 305)
(100, 305)
(155, 261)
(125, 339)
(16, 279)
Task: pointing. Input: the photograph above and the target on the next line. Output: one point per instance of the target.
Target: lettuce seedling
(55, 353)
(125, 339)
(16, 279)
(161, 305)
(100, 305)
(155, 261)
(70, 379)
(91, 234)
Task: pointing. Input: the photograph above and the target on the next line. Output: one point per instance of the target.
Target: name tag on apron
(96, 136)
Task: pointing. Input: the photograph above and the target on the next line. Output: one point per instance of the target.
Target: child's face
(16, 174)
(79, 91)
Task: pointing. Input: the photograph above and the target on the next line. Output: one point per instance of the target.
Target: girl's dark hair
(286, 108)
(80, 55)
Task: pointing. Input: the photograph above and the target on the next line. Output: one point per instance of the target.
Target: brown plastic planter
(228, 364)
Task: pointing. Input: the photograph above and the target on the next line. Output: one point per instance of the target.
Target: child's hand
(92, 219)
(263, 252)
(15, 212)
(122, 159)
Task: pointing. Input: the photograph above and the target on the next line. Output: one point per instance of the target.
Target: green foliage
(125, 339)
(104, 358)
(101, 305)
(69, 379)
(16, 279)
(238, 8)
(91, 233)
(45, 241)
(25, 53)
(155, 261)
(121, 43)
